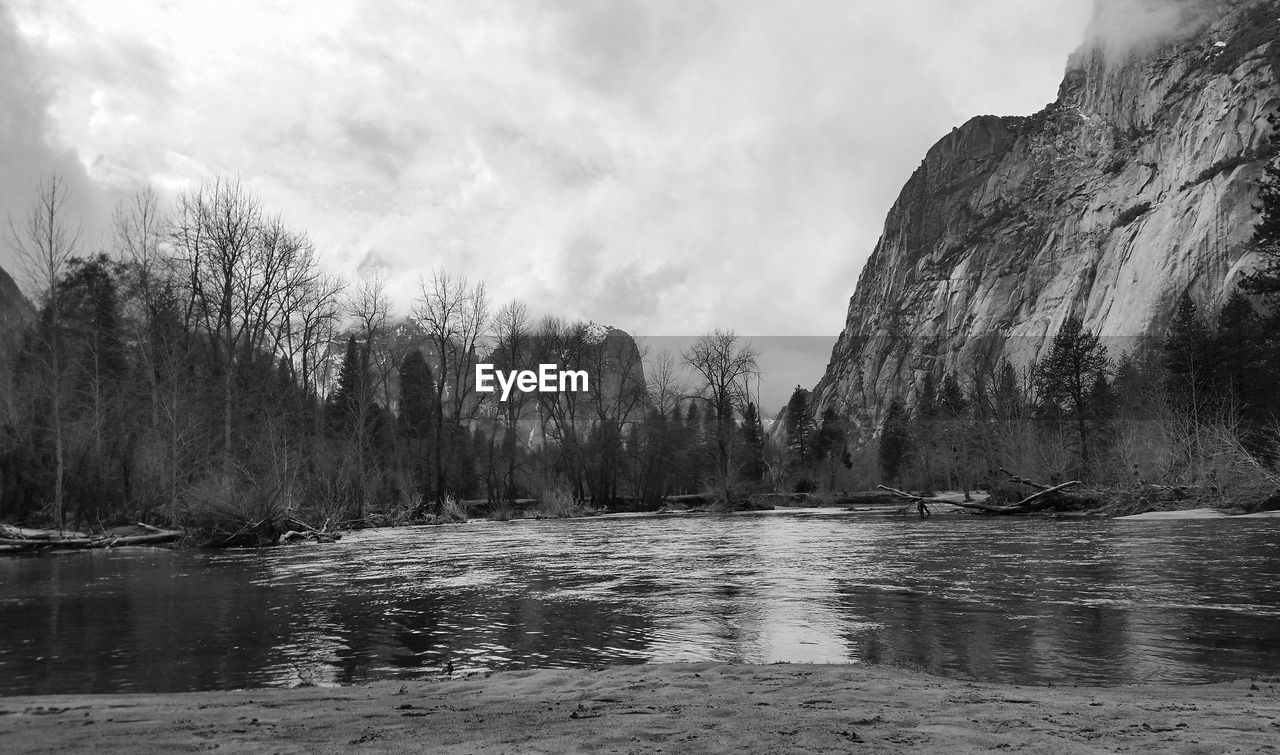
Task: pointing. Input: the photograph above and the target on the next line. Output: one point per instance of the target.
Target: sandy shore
(667, 708)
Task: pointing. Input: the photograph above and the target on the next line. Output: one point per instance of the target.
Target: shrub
(1131, 214)
(558, 504)
(501, 511)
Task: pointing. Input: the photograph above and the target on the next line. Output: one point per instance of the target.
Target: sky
(663, 167)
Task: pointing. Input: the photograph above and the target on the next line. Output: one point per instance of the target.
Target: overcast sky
(664, 167)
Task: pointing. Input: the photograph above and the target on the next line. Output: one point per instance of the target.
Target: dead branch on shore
(922, 504)
(1038, 500)
(274, 531)
(1023, 481)
(18, 539)
(299, 531)
(1041, 499)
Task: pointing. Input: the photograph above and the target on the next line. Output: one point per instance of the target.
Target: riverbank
(678, 707)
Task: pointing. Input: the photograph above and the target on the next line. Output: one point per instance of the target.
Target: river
(992, 599)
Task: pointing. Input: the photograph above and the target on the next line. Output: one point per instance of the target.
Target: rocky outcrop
(15, 310)
(1135, 185)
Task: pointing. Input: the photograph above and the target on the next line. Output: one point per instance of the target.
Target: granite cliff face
(15, 310)
(1134, 185)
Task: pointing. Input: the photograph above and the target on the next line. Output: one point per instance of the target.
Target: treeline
(1196, 407)
(203, 369)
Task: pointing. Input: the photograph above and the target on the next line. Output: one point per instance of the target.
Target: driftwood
(1024, 481)
(15, 539)
(300, 530)
(1036, 501)
(922, 504)
(269, 531)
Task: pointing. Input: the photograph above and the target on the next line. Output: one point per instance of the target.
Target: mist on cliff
(1124, 27)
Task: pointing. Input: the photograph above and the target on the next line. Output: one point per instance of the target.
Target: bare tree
(617, 393)
(315, 319)
(45, 243)
(725, 365)
(513, 350)
(140, 229)
(250, 280)
(564, 416)
(214, 231)
(665, 389)
(454, 314)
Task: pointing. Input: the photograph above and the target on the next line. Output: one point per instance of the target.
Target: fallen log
(1023, 480)
(155, 538)
(1021, 507)
(300, 530)
(75, 543)
(922, 504)
(10, 532)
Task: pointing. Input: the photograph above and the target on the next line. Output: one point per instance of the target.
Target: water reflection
(995, 600)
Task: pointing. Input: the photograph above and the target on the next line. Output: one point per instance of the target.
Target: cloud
(1121, 27)
(27, 155)
(663, 167)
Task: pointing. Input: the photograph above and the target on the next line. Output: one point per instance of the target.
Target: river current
(1010, 600)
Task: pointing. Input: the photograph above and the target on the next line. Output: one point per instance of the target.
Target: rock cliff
(1134, 185)
(15, 310)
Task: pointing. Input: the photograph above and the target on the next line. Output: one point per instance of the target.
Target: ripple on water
(1021, 601)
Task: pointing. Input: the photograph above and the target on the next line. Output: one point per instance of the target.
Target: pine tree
(953, 408)
(343, 404)
(895, 442)
(417, 396)
(695, 448)
(418, 418)
(1187, 357)
(830, 444)
(799, 429)
(753, 444)
(1007, 398)
(1066, 381)
(924, 427)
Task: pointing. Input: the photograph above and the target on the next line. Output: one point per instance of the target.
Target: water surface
(1015, 600)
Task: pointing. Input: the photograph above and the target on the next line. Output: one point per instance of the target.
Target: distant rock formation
(1135, 185)
(15, 310)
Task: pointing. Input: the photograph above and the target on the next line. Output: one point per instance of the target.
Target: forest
(203, 370)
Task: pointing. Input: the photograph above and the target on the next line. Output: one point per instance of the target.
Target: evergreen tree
(953, 408)
(924, 427)
(799, 429)
(695, 448)
(1067, 379)
(895, 442)
(417, 396)
(1187, 358)
(753, 444)
(343, 403)
(1007, 398)
(418, 417)
(830, 444)
(952, 402)
(1246, 373)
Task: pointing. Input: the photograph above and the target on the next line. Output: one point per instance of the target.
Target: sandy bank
(674, 708)
(1200, 514)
